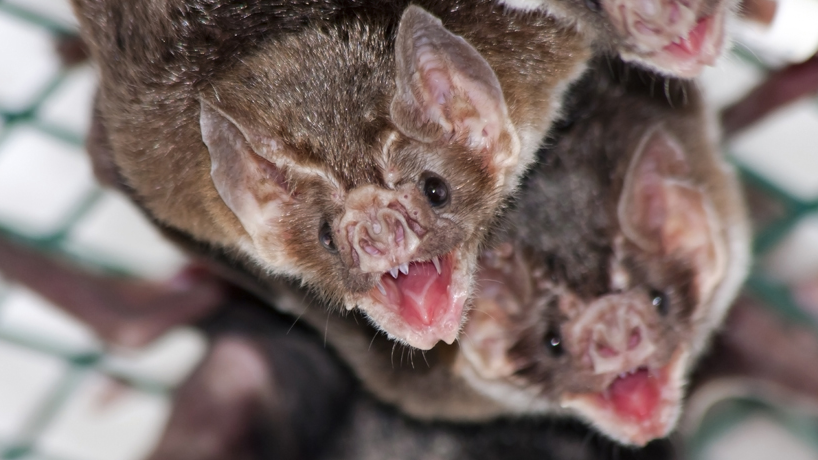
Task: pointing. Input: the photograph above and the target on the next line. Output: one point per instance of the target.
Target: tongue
(635, 396)
(425, 294)
(693, 45)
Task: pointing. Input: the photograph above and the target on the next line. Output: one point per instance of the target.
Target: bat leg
(216, 410)
(123, 311)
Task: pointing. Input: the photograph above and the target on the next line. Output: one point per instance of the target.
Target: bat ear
(445, 88)
(485, 342)
(249, 172)
(664, 211)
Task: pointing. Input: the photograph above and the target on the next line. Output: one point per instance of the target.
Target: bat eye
(436, 190)
(593, 5)
(325, 237)
(660, 301)
(553, 342)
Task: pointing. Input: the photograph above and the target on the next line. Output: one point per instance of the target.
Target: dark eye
(660, 301)
(593, 5)
(325, 237)
(436, 190)
(553, 341)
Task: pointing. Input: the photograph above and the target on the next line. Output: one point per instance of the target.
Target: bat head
(366, 165)
(606, 326)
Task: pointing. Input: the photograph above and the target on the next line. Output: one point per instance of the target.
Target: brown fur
(319, 79)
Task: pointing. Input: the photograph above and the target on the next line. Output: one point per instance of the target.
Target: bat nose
(380, 232)
(619, 338)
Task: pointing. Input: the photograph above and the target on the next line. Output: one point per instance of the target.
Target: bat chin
(638, 406)
(421, 302)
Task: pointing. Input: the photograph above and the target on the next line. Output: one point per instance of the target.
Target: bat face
(676, 38)
(377, 193)
(603, 314)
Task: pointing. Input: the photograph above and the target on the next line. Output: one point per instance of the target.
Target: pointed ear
(445, 88)
(248, 171)
(664, 211)
(485, 341)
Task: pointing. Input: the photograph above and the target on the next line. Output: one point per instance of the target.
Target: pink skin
(616, 340)
(623, 375)
(389, 233)
(614, 331)
(640, 404)
(380, 228)
(422, 307)
(672, 36)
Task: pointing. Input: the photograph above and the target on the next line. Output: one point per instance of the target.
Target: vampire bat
(625, 247)
(362, 148)
(677, 38)
(604, 313)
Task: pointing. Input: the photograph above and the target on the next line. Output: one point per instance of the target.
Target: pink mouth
(634, 396)
(692, 45)
(637, 406)
(427, 303)
(702, 46)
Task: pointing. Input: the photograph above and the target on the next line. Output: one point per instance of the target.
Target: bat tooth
(381, 288)
(394, 272)
(436, 261)
(404, 268)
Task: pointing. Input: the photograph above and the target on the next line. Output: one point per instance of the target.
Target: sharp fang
(436, 261)
(381, 288)
(394, 272)
(404, 268)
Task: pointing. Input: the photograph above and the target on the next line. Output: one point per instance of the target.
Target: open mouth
(421, 302)
(701, 46)
(637, 406)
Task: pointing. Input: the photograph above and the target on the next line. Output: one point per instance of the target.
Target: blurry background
(66, 396)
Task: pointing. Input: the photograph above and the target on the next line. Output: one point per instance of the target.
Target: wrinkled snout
(615, 331)
(379, 230)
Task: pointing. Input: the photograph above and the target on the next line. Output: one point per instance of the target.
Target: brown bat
(604, 315)
(677, 38)
(625, 248)
(362, 148)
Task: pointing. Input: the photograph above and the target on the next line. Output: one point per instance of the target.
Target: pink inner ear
(272, 174)
(445, 88)
(663, 210)
(644, 207)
